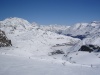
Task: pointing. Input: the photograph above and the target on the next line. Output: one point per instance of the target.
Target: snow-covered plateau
(50, 50)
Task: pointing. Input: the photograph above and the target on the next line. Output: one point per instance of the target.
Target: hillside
(29, 40)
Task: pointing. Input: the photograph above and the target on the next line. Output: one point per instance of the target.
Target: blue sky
(45, 12)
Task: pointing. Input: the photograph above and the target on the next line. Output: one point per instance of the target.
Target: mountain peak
(95, 23)
(15, 22)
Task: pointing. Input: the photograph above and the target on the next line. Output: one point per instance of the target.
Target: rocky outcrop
(56, 52)
(4, 41)
(90, 48)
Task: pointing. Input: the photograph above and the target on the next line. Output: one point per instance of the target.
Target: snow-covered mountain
(15, 23)
(30, 40)
(79, 30)
(87, 29)
(89, 33)
(54, 28)
(46, 50)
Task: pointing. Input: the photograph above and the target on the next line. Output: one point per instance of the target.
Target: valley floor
(14, 65)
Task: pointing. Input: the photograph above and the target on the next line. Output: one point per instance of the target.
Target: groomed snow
(13, 65)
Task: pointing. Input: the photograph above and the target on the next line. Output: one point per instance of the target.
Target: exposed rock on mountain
(4, 41)
(90, 48)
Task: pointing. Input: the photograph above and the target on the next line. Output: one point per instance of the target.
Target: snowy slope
(84, 57)
(91, 34)
(12, 65)
(30, 41)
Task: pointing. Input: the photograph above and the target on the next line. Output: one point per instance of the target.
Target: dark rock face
(4, 41)
(56, 52)
(90, 48)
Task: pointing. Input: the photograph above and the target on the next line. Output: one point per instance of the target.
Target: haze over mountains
(53, 44)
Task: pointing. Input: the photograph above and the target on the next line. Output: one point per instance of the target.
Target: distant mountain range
(79, 30)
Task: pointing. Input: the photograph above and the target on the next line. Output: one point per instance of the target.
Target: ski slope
(13, 65)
